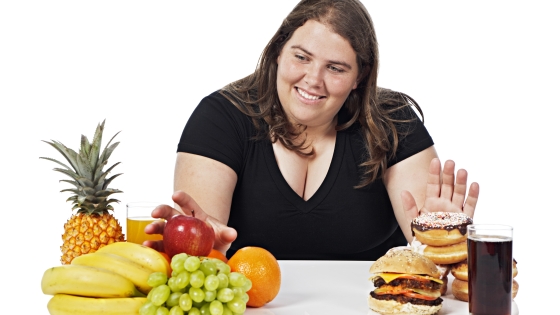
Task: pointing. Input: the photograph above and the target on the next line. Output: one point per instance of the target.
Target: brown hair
(256, 95)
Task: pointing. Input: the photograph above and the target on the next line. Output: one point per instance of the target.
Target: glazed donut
(460, 270)
(446, 255)
(460, 290)
(441, 228)
(514, 268)
(514, 289)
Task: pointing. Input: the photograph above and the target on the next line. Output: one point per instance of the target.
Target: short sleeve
(413, 135)
(218, 130)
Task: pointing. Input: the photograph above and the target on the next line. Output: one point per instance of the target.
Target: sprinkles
(439, 220)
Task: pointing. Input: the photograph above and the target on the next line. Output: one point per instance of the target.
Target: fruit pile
(197, 285)
(113, 280)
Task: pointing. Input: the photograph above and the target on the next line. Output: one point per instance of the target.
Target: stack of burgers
(444, 235)
(460, 285)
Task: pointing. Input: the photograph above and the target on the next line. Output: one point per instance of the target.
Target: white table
(334, 287)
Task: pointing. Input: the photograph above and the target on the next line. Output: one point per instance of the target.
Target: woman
(307, 157)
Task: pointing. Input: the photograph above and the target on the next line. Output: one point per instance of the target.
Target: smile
(307, 96)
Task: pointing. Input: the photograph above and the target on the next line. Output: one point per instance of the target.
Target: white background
(484, 73)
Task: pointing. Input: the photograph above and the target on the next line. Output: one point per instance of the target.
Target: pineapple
(91, 226)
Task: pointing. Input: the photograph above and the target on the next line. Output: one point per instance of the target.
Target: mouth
(308, 96)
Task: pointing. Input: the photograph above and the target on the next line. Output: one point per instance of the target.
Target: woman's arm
(411, 175)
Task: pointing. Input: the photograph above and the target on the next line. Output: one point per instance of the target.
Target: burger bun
(395, 308)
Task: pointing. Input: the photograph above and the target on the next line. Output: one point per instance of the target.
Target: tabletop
(335, 287)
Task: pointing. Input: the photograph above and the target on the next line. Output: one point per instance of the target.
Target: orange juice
(135, 230)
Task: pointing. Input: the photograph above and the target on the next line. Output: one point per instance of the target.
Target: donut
(460, 270)
(460, 290)
(446, 255)
(514, 289)
(441, 228)
(443, 289)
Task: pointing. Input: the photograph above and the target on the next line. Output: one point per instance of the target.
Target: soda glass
(490, 260)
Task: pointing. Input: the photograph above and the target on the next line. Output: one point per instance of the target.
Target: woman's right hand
(224, 235)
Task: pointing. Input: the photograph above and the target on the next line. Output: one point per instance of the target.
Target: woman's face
(317, 70)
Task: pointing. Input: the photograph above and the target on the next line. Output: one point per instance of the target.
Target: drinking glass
(138, 216)
(490, 260)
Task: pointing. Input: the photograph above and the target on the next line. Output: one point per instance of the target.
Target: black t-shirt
(338, 222)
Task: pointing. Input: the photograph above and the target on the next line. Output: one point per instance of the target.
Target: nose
(314, 75)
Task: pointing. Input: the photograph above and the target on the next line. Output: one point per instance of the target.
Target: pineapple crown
(91, 191)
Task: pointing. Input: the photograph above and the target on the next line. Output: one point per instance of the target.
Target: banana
(63, 304)
(131, 270)
(87, 281)
(143, 255)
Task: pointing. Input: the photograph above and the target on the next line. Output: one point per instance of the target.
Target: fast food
(460, 270)
(441, 228)
(443, 289)
(406, 283)
(448, 254)
(460, 289)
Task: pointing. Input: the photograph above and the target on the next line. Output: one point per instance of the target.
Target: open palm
(444, 192)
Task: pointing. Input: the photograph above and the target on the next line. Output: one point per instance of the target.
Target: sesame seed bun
(405, 261)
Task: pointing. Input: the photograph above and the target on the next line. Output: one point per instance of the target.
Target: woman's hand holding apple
(224, 235)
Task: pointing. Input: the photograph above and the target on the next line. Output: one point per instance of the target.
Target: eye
(300, 57)
(335, 69)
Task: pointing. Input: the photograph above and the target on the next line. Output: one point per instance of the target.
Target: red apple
(186, 234)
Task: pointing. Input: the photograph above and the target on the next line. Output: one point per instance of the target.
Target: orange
(217, 254)
(259, 266)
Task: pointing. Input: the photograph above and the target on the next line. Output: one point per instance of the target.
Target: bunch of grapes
(197, 286)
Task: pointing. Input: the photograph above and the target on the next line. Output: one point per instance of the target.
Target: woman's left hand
(444, 192)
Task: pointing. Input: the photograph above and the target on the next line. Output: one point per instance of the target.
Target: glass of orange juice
(138, 216)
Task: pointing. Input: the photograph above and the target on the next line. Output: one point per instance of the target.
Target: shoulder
(216, 106)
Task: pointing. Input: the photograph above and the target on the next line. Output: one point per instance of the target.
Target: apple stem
(192, 212)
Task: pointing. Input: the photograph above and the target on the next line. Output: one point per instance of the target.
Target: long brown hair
(256, 95)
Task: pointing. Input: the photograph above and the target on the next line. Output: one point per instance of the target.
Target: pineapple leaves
(84, 169)
(84, 146)
(96, 145)
(46, 158)
(90, 191)
(69, 154)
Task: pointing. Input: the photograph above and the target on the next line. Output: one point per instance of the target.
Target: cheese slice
(389, 276)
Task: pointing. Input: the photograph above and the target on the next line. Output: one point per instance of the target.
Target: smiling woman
(307, 157)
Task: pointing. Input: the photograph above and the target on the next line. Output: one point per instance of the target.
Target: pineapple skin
(86, 233)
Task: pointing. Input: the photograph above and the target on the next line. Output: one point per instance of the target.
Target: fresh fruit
(198, 285)
(92, 226)
(140, 254)
(87, 281)
(131, 270)
(217, 254)
(64, 304)
(186, 234)
(261, 267)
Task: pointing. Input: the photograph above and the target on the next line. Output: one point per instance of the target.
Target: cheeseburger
(406, 283)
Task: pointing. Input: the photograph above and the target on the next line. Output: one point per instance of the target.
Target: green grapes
(197, 286)
(157, 278)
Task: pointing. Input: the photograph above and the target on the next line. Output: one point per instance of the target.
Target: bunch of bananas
(112, 280)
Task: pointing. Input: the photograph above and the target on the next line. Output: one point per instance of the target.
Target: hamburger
(406, 282)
